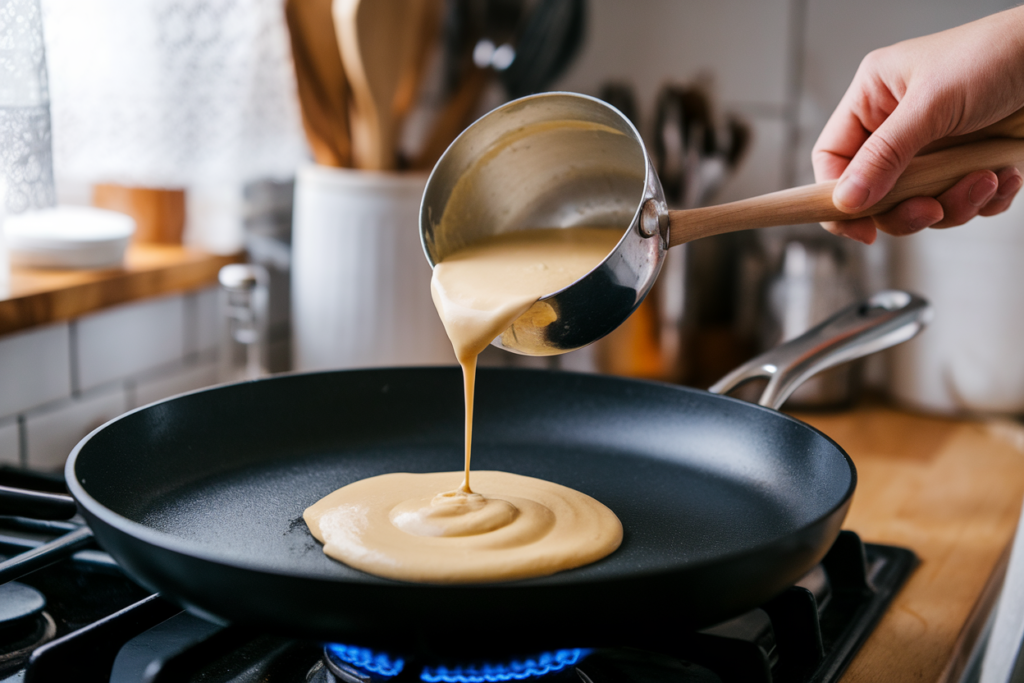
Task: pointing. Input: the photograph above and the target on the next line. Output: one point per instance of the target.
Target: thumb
(879, 162)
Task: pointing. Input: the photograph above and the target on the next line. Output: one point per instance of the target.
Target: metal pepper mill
(244, 296)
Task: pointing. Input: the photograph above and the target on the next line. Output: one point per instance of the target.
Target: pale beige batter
(395, 526)
(398, 525)
(481, 289)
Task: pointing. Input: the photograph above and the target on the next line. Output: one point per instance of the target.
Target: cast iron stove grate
(107, 630)
(808, 634)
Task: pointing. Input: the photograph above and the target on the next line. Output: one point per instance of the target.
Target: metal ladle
(558, 160)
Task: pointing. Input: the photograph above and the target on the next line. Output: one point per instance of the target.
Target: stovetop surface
(99, 625)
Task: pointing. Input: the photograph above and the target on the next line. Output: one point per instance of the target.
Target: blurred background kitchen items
(971, 361)
(383, 49)
(244, 303)
(803, 275)
(320, 80)
(5, 266)
(159, 215)
(549, 40)
(173, 95)
(360, 285)
(695, 150)
(68, 237)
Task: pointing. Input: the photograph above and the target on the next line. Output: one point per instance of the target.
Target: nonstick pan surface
(723, 503)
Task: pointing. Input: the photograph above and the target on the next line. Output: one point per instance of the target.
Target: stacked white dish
(68, 237)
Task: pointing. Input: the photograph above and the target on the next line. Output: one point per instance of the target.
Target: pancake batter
(398, 525)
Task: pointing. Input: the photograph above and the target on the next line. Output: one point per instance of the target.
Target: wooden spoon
(928, 175)
(320, 78)
(381, 49)
(453, 118)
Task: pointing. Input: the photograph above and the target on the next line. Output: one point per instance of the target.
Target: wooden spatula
(320, 78)
(381, 49)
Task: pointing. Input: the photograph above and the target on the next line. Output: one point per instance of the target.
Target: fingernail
(982, 191)
(1010, 186)
(850, 194)
(920, 223)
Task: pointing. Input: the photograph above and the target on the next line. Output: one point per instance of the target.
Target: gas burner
(24, 625)
(354, 664)
(519, 669)
(806, 634)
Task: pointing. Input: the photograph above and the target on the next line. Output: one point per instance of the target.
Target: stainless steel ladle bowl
(559, 160)
(554, 161)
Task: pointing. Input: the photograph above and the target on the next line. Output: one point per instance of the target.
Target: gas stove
(81, 618)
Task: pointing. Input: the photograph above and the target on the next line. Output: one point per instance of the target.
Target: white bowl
(68, 237)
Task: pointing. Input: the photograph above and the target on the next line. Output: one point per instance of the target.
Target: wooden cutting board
(951, 491)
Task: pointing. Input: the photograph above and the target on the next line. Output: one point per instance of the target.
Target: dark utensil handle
(24, 503)
(886, 319)
(44, 555)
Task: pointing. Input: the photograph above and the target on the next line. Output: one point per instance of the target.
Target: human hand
(914, 94)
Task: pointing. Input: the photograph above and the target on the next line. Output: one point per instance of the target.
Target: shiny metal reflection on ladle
(554, 160)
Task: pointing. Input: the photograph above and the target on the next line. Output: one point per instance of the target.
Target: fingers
(1010, 182)
(860, 229)
(842, 136)
(981, 193)
(963, 201)
(879, 162)
(910, 216)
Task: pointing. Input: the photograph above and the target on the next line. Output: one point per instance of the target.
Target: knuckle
(882, 154)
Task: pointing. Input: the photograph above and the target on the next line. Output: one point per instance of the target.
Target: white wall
(784, 64)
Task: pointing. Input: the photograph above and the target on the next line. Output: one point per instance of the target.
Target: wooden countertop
(952, 492)
(38, 296)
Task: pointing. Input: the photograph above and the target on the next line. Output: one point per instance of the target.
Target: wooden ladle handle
(928, 175)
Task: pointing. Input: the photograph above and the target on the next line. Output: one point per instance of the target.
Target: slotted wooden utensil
(321, 82)
(382, 51)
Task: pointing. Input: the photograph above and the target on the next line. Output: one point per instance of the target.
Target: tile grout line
(130, 387)
(190, 327)
(794, 88)
(73, 361)
(22, 443)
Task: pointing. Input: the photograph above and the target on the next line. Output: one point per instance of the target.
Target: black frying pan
(723, 503)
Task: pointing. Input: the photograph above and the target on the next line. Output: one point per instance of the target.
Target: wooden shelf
(38, 296)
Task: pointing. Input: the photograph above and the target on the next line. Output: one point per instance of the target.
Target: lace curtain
(171, 93)
(26, 162)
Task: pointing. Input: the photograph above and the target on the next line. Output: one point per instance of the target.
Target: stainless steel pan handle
(886, 319)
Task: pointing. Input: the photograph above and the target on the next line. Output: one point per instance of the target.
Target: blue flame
(366, 659)
(516, 670)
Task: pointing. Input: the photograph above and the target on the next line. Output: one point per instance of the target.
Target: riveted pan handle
(886, 319)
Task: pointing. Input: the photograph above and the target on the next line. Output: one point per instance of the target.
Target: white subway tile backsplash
(840, 33)
(744, 44)
(130, 339)
(52, 433)
(208, 319)
(761, 170)
(34, 368)
(177, 381)
(10, 446)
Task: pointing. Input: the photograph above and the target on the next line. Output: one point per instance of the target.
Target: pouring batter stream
(398, 525)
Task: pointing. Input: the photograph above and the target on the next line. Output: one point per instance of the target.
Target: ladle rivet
(649, 222)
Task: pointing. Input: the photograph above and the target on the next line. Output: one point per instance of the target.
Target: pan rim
(170, 543)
